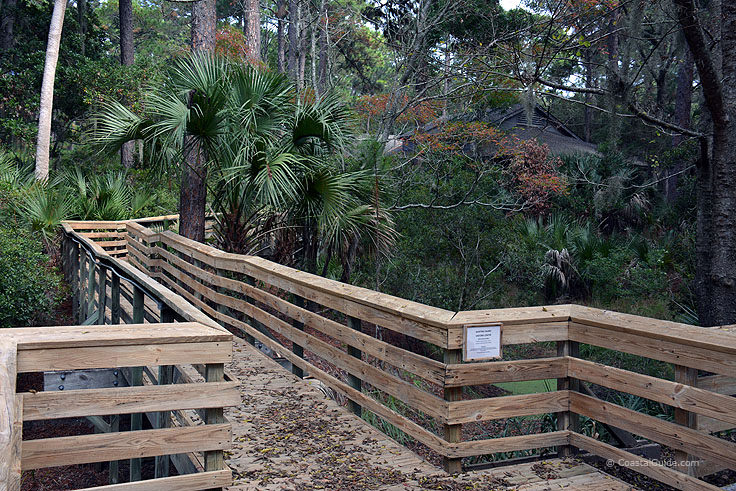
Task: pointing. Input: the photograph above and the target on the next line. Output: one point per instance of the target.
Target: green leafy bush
(29, 286)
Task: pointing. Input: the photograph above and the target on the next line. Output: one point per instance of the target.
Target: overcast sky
(510, 4)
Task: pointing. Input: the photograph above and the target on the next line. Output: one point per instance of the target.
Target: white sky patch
(510, 4)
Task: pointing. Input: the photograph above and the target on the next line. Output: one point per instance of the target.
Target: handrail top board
(29, 338)
(409, 309)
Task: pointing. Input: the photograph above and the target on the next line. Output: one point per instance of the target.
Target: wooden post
(296, 348)
(82, 305)
(74, 279)
(250, 339)
(91, 287)
(214, 460)
(354, 381)
(165, 377)
(136, 378)
(453, 433)
(568, 420)
(114, 466)
(686, 376)
(115, 298)
(102, 295)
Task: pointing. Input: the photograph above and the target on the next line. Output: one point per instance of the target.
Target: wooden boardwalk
(288, 435)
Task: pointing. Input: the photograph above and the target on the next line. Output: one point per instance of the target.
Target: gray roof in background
(543, 127)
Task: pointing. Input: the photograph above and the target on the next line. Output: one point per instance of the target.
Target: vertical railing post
(91, 287)
(686, 376)
(353, 380)
(115, 300)
(82, 297)
(165, 377)
(214, 460)
(568, 420)
(453, 433)
(102, 295)
(136, 378)
(250, 339)
(74, 278)
(297, 348)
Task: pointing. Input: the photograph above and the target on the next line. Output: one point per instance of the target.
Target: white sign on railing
(482, 342)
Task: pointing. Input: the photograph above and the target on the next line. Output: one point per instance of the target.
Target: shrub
(29, 285)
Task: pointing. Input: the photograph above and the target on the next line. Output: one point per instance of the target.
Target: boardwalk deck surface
(288, 435)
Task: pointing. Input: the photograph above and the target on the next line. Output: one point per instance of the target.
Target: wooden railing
(172, 368)
(67, 349)
(402, 361)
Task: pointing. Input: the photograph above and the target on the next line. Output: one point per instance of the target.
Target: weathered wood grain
(126, 400)
(187, 482)
(82, 449)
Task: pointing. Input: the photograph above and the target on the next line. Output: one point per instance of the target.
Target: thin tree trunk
(47, 91)
(193, 194)
(293, 38)
(323, 47)
(588, 111)
(127, 58)
(280, 42)
(7, 25)
(683, 107)
(313, 57)
(253, 30)
(82, 20)
(303, 40)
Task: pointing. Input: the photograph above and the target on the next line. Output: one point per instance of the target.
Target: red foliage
(371, 107)
(231, 43)
(534, 174)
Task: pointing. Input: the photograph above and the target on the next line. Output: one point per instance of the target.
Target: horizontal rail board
(123, 356)
(660, 330)
(718, 383)
(187, 482)
(127, 400)
(689, 356)
(30, 338)
(508, 444)
(673, 435)
(650, 468)
(672, 393)
(83, 449)
(471, 410)
(493, 372)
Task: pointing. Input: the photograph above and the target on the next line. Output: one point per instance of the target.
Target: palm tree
(270, 151)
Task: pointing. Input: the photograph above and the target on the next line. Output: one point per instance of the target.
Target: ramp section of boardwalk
(288, 435)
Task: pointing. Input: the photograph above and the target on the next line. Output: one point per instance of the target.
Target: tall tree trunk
(82, 21)
(193, 194)
(127, 58)
(323, 47)
(683, 107)
(293, 38)
(7, 25)
(587, 110)
(253, 30)
(303, 46)
(716, 173)
(280, 41)
(47, 91)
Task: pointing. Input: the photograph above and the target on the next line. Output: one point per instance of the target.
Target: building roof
(543, 127)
